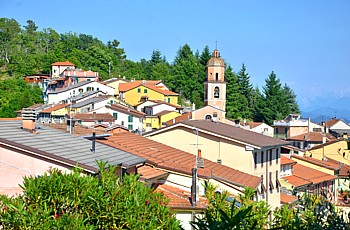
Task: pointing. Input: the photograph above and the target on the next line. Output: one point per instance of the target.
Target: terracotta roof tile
(65, 63)
(180, 199)
(332, 122)
(123, 87)
(312, 136)
(148, 172)
(286, 160)
(166, 103)
(126, 110)
(302, 175)
(325, 144)
(287, 199)
(168, 158)
(94, 117)
(183, 117)
(54, 108)
(78, 130)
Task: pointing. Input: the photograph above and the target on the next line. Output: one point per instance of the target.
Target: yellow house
(54, 114)
(337, 150)
(114, 83)
(136, 92)
(158, 120)
(237, 148)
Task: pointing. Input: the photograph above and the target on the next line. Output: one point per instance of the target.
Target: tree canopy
(28, 50)
(58, 200)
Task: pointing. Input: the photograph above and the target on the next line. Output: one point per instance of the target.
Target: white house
(152, 107)
(127, 117)
(73, 90)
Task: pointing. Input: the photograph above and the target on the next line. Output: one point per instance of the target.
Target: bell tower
(215, 85)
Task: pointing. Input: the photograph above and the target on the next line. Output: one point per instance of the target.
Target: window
(130, 118)
(139, 90)
(88, 79)
(216, 92)
(122, 123)
(270, 156)
(215, 114)
(145, 90)
(262, 159)
(79, 122)
(110, 101)
(148, 124)
(255, 159)
(216, 77)
(80, 90)
(270, 182)
(168, 99)
(130, 127)
(207, 117)
(97, 89)
(115, 115)
(277, 155)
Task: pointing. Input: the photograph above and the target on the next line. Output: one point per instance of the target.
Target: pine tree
(245, 89)
(274, 106)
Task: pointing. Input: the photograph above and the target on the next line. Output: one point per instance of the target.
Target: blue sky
(306, 43)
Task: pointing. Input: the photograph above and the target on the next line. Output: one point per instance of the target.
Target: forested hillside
(26, 50)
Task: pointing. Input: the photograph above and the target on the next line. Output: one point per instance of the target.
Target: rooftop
(227, 131)
(168, 158)
(57, 146)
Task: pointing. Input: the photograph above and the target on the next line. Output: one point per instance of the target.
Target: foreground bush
(74, 201)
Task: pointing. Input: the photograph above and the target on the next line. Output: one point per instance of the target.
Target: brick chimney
(28, 119)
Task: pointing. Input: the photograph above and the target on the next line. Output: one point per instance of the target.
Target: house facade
(65, 94)
(136, 92)
(243, 150)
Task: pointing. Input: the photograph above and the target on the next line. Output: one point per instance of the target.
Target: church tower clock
(215, 85)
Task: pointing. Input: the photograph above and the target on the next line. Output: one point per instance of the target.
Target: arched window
(217, 77)
(216, 92)
(208, 117)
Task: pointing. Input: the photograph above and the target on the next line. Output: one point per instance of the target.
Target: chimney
(324, 138)
(194, 188)
(28, 119)
(93, 142)
(345, 135)
(200, 160)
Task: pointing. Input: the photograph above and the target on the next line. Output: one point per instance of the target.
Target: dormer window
(216, 92)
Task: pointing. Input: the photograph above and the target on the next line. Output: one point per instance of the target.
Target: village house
(166, 166)
(124, 116)
(114, 83)
(91, 119)
(294, 125)
(243, 150)
(135, 92)
(65, 94)
(297, 179)
(310, 139)
(337, 127)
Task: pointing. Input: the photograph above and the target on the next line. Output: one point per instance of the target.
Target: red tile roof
(126, 110)
(183, 117)
(286, 160)
(123, 87)
(78, 130)
(148, 172)
(94, 117)
(287, 199)
(65, 63)
(296, 181)
(303, 175)
(320, 146)
(328, 163)
(54, 108)
(332, 122)
(312, 136)
(180, 199)
(168, 158)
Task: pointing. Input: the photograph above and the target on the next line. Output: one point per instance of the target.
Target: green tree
(290, 100)
(245, 89)
(234, 100)
(57, 200)
(274, 100)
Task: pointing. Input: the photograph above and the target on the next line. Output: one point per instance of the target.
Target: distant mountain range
(325, 108)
